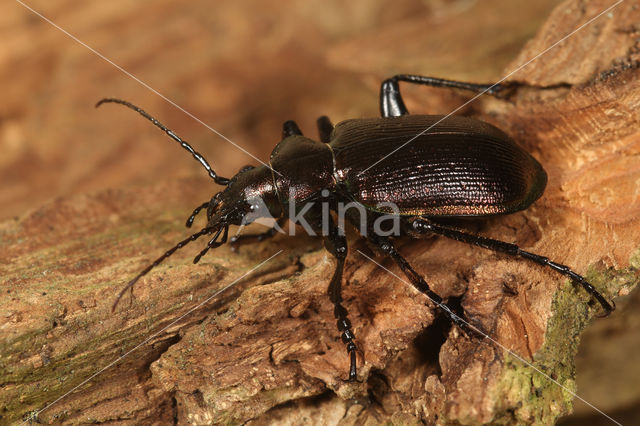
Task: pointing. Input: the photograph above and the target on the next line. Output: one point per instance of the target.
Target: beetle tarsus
(353, 377)
(575, 278)
(336, 244)
(213, 243)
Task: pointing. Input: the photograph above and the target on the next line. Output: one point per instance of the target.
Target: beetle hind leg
(392, 105)
(422, 226)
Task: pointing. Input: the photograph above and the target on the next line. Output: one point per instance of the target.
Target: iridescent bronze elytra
(451, 167)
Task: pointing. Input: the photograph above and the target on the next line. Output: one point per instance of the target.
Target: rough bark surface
(267, 350)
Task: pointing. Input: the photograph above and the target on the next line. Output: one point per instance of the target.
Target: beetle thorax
(301, 169)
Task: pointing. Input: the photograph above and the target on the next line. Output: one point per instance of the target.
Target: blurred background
(243, 68)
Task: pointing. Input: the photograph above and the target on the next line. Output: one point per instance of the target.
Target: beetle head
(249, 196)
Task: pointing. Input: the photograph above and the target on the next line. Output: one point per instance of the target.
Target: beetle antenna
(217, 179)
(169, 252)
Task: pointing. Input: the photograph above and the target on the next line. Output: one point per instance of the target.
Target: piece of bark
(276, 344)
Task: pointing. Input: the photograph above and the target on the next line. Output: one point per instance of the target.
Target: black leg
(387, 248)
(290, 128)
(336, 244)
(213, 243)
(195, 213)
(422, 226)
(325, 127)
(392, 105)
(245, 238)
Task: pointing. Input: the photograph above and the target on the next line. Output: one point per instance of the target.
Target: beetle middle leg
(386, 247)
(269, 233)
(325, 127)
(422, 226)
(392, 105)
(290, 128)
(336, 243)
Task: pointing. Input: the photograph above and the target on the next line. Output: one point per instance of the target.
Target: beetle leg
(213, 243)
(422, 226)
(290, 128)
(387, 247)
(392, 105)
(336, 243)
(195, 213)
(325, 127)
(245, 238)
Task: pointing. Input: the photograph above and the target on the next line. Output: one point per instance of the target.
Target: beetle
(451, 167)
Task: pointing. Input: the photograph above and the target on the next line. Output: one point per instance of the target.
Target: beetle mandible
(460, 167)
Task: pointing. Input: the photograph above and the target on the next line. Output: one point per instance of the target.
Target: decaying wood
(268, 349)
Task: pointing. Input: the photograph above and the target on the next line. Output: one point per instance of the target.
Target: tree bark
(267, 349)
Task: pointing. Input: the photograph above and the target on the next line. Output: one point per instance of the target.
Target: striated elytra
(460, 167)
(410, 170)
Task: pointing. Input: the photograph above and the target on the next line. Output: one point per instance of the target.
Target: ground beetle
(460, 167)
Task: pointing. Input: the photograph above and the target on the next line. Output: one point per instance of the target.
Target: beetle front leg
(392, 105)
(422, 226)
(245, 238)
(386, 247)
(336, 244)
(195, 213)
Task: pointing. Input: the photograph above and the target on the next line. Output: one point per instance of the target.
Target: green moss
(545, 391)
(36, 387)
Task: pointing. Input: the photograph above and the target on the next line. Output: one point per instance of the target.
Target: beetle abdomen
(460, 167)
